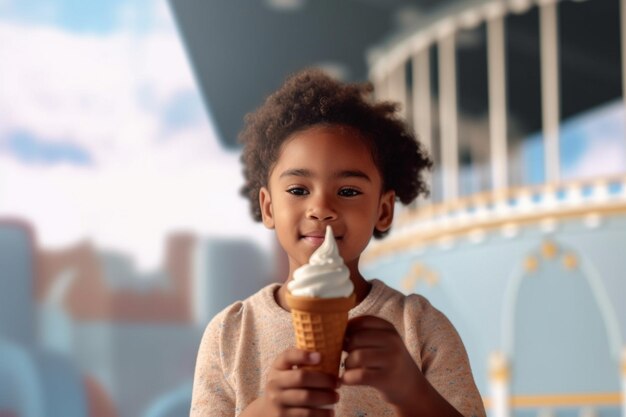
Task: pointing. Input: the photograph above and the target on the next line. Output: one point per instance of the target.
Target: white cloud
(605, 152)
(88, 89)
(108, 94)
(601, 159)
(130, 209)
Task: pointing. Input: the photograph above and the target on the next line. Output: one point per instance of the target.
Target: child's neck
(361, 289)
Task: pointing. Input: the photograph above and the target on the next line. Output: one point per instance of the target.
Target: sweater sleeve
(212, 395)
(445, 363)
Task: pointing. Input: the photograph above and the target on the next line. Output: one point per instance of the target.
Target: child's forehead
(325, 146)
(323, 130)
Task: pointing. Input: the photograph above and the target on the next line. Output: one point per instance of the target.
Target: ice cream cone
(320, 325)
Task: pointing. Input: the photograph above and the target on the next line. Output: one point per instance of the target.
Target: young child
(318, 153)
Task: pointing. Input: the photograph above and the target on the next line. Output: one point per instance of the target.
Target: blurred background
(122, 231)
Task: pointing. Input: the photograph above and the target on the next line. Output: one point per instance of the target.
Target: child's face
(325, 175)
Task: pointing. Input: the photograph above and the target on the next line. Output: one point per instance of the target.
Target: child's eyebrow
(296, 172)
(353, 174)
(300, 172)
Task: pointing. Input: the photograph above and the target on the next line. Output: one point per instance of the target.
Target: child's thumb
(314, 357)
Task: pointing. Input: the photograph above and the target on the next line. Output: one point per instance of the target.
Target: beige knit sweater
(241, 342)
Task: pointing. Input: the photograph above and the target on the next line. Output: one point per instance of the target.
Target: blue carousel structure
(531, 275)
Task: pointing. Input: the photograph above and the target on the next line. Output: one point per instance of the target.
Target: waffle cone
(320, 325)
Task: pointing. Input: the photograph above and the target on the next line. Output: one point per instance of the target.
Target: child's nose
(321, 209)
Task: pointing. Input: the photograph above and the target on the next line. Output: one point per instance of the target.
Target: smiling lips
(316, 238)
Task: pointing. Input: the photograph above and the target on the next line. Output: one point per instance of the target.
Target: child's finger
(368, 338)
(307, 412)
(361, 376)
(295, 357)
(308, 398)
(368, 322)
(302, 378)
(366, 358)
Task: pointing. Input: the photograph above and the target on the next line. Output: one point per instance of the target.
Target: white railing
(471, 217)
(388, 65)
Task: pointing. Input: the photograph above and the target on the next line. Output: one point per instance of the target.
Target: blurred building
(35, 381)
(521, 241)
(83, 334)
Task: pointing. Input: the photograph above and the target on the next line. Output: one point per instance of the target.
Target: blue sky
(91, 20)
(29, 148)
(79, 16)
(591, 144)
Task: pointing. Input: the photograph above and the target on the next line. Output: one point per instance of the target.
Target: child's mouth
(314, 240)
(317, 240)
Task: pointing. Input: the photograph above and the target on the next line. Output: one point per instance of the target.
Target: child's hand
(377, 357)
(298, 392)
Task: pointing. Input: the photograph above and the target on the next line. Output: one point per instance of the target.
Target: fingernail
(315, 357)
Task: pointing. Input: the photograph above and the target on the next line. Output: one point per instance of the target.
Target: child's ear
(385, 210)
(265, 201)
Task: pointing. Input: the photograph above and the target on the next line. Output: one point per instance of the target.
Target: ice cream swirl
(325, 276)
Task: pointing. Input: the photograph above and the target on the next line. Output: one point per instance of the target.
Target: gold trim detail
(549, 249)
(562, 400)
(432, 279)
(500, 375)
(565, 400)
(485, 198)
(430, 234)
(531, 264)
(570, 261)
(498, 367)
(419, 273)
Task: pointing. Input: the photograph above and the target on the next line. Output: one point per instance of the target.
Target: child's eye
(298, 191)
(349, 192)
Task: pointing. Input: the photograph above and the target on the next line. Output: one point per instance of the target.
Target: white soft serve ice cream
(325, 276)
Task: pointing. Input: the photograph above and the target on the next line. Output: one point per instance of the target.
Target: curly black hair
(311, 98)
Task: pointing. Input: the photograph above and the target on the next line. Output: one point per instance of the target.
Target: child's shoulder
(410, 311)
(257, 318)
(389, 300)
(391, 296)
